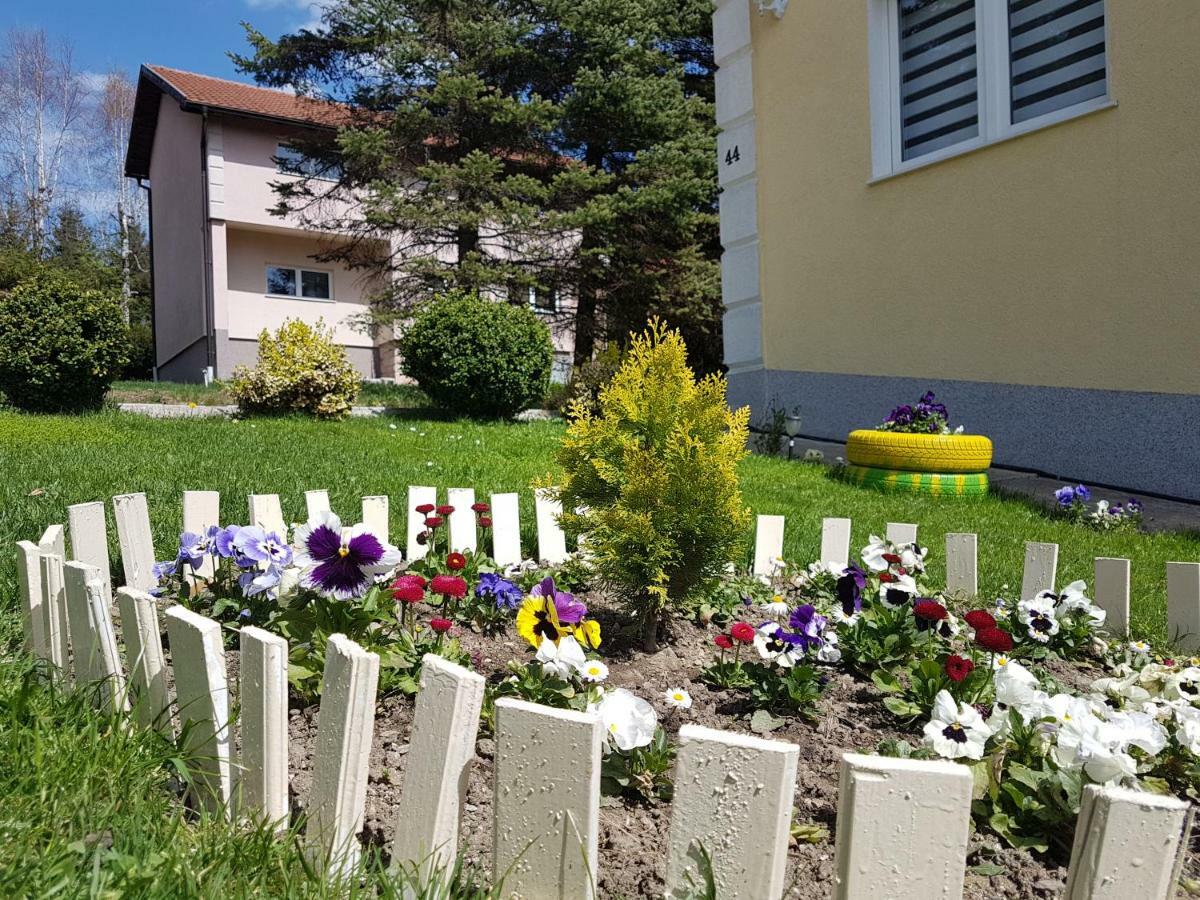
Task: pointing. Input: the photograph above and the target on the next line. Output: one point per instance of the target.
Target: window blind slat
(1057, 55)
(938, 74)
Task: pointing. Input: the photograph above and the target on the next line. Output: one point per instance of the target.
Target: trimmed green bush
(301, 368)
(478, 357)
(61, 345)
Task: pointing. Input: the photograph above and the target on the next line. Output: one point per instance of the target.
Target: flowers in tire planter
(926, 416)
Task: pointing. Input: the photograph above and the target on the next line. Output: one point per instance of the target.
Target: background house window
(951, 75)
(286, 281)
(539, 299)
(291, 161)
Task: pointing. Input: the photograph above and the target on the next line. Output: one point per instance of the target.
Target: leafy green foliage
(643, 773)
(61, 345)
(476, 357)
(301, 368)
(651, 481)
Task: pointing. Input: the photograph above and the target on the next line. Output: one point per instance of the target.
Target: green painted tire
(935, 484)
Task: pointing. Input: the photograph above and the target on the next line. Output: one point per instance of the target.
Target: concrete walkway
(190, 411)
(1160, 514)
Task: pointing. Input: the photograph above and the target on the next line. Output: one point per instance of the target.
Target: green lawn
(82, 804)
(403, 396)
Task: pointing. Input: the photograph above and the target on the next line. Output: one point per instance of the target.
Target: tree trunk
(650, 628)
(585, 322)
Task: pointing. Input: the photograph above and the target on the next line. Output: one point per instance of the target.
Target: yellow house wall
(1065, 257)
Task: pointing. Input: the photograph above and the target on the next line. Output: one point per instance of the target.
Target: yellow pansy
(587, 633)
(537, 620)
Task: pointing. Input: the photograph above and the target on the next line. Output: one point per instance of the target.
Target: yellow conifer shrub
(301, 368)
(651, 478)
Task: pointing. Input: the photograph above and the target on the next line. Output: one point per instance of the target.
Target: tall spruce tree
(502, 144)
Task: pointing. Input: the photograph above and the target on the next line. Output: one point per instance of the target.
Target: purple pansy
(1082, 492)
(261, 582)
(1133, 506)
(341, 566)
(261, 548)
(570, 611)
(808, 625)
(162, 569)
(849, 589)
(191, 549)
(1065, 496)
(223, 541)
(503, 592)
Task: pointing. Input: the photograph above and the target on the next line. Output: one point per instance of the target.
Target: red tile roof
(234, 96)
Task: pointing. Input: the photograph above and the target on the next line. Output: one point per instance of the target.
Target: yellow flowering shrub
(651, 478)
(300, 369)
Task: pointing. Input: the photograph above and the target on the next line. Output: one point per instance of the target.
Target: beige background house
(224, 267)
(1014, 228)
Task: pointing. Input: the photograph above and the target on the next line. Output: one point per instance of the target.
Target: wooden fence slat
(418, 496)
(835, 542)
(136, 540)
(144, 660)
(375, 513)
(506, 529)
(1111, 593)
(733, 797)
(962, 564)
(552, 542)
(344, 732)
(263, 775)
(442, 747)
(1041, 569)
(89, 536)
(462, 520)
(54, 611)
(93, 640)
(768, 544)
(316, 503)
(267, 513)
(547, 800)
(1127, 844)
(29, 584)
(202, 695)
(1183, 604)
(201, 511)
(902, 828)
(901, 533)
(54, 540)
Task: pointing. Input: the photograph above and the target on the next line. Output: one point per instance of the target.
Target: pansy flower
(562, 658)
(501, 591)
(1039, 618)
(778, 646)
(341, 565)
(956, 730)
(629, 720)
(850, 586)
(569, 610)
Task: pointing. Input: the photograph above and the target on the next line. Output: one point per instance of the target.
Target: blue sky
(184, 34)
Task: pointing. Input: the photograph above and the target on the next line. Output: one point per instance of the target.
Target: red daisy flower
(456, 562)
(408, 593)
(449, 586)
(410, 578)
(433, 522)
(480, 507)
(485, 521)
(441, 626)
(724, 641)
(994, 639)
(980, 618)
(892, 558)
(958, 667)
(425, 508)
(887, 577)
(742, 632)
(930, 610)
(445, 509)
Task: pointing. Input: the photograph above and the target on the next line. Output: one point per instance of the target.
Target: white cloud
(92, 81)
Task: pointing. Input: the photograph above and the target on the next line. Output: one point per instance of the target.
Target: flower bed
(866, 657)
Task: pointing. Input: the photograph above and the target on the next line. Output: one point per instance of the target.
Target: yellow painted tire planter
(935, 484)
(956, 453)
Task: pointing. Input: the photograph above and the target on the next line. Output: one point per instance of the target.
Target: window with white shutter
(948, 76)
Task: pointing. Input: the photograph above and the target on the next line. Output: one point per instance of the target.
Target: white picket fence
(903, 825)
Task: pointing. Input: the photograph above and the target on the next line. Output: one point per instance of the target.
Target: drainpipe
(210, 334)
(141, 183)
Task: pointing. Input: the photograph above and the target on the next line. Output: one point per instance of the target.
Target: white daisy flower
(594, 671)
(1139, 647)
(678, 698)
(956, 730)
(777, 607)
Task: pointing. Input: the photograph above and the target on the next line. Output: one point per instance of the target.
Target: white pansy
(1017, 688)
(1187, 731)
(563, 660)
(956, 730)
(898, 593)
(629, 720)
(1138, 729)
(1098, 747)
(912, 557)
(829, 652)
(1183, 685)
(773, 648)
(1038, 617)
(678, 698)
(593, 670)
(872, 554)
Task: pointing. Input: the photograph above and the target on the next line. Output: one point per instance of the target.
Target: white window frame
(284, 144)
(994, 86)
(298, 272)
(549, 311)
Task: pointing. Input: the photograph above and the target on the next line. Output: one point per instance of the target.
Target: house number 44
(732, 155)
